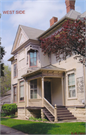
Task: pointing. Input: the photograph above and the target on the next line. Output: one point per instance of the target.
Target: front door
(47, 90)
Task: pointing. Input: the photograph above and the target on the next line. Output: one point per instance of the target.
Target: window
(33, 58)
(14, 93)
(21, 90)
(33, 89)
(15, 70)
(71, 85)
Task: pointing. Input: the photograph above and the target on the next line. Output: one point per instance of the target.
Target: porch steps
(48, 115)
(62, 113)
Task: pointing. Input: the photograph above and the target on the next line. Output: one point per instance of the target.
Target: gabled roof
(72, 14)
(51, 67)
(7, 93)
(83, 15)
(28, 33)
(32, 33)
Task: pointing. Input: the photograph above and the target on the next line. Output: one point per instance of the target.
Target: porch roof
(46, 68)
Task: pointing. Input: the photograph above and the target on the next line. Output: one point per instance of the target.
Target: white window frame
(19, 91)
(71, 72)
(14, 86)
(15, 76)
(33, 90)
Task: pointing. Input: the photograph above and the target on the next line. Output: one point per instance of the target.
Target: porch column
(62, 90)
(55, 113)
(42, 91)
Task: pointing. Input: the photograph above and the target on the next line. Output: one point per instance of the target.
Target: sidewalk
(8, 130)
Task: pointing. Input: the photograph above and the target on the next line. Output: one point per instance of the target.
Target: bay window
(33, 89)
(21, 90)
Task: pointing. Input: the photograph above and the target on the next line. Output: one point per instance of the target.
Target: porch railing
(49, 107)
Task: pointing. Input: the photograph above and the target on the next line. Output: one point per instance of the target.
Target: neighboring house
(39, 82)
(6, 99)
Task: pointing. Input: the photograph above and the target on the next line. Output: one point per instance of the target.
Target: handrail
(49, 107)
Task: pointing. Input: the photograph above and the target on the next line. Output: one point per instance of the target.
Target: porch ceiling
(46, 71)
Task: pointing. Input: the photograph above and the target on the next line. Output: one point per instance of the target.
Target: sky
(37, 14)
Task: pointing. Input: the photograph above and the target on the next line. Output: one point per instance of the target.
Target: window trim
(16, 92)
(36, 58)
(71, 98)
(19, 91)
(16, 70)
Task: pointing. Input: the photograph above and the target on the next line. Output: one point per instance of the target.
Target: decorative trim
(74, 69)
(32, 47)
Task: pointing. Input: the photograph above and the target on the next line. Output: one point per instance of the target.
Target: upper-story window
(15, 70)
(71, 85)
(33, 58)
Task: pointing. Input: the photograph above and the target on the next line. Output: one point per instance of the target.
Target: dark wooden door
(47, 90)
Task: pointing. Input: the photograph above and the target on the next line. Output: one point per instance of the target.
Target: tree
(2, 53)
(67, 41)
(6, 80)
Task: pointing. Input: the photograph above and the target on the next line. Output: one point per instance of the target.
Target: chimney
(70, 4)
(53, 20)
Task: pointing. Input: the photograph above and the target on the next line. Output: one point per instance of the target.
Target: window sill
(72, 98)
(15, 102)
(15, 77)
(32, 66)
(21, 101)
(34, 99)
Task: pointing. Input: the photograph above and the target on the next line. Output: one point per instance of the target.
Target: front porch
(45, 90)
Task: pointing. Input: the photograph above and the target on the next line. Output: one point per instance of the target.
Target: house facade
(42, 86)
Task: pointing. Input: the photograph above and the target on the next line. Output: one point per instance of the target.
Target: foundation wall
(79, 113)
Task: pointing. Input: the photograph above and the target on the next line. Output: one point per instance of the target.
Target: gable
(20, 38)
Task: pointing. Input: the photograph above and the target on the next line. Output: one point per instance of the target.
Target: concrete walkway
(8, 130)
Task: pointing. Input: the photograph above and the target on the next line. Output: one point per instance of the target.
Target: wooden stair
(62, 114)
(48, 114)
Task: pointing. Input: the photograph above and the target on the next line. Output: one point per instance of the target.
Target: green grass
(30, 127)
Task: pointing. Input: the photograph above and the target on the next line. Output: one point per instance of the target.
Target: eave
(41, 71)
(54, 27)
(11, 59)
(24, 44)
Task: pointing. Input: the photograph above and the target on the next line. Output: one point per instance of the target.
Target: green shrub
(45, 120)
(9, 108)
(37, 119)
(3, 114)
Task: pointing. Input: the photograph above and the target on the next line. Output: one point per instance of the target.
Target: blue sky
(37, 15)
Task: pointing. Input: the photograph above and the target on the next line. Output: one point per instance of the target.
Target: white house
(41, 86)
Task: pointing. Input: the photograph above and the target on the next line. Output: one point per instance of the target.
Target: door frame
(50, 80)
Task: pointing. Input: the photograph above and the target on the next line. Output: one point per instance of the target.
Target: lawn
(30, 127)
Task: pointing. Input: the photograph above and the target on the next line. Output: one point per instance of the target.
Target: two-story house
(41, 86)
